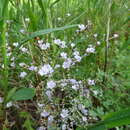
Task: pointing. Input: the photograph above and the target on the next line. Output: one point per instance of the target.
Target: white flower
(82, 27)
(90, 49)
(64, 127)
(91, 82)
(63, 55)
(22, 64)
(115, 35)
(81, 107)
(23, 49)
(41, 128)
(68, 14)
(45, 70)
(44, 113)
(9, 48)
(32, 68)
(22, 74)
(64, 113)
(15, 44)
(48, 45)
(72, 44)
(75, 87)
(8, 21)
(27, 19)
(63, 84)
(22, 30)
(9, 54)
(2, 66)
(84, 118)
(89, 22)
(95, 35)
(57, 66)
(13, 58)
(44, 46)
(51, 84)
(76, 53)
(40, 41)
(40, 104)
(57, 41)
(12, 64)
(60, 43)
(73, 81)
(59, 18)
(9, 104)
(1, 100)
(95, 92)
(78, 58)
(50, 119)
(49, 94)
(63, 44)
(7, 34)
(67, 63)
(98, 43)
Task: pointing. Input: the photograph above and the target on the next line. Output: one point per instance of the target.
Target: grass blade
(46, 31)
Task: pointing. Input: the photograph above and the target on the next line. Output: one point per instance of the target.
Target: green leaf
(55, 2)
(117, 118)
(10, 94)
(113, 119)
(28, 124)
(3, 7)
(24, 94)
(80, 128)
(127, 20)
(24, 114)
(4, 128)
(98, 127)
(125, 45)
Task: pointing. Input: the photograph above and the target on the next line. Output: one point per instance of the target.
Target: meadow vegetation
(64, 64)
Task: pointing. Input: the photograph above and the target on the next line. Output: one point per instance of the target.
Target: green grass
(59, 19)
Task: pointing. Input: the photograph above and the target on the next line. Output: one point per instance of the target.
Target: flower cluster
(90, 49)
(46, 69)
(60, 43)
(42, 45)
(58, 101)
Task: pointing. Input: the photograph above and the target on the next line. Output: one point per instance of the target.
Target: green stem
(5, 58)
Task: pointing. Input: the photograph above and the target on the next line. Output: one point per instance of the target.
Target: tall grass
(4, 8)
